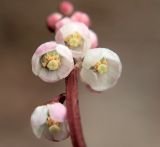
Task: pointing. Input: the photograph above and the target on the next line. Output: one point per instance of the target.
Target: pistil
(74, 40)
(51, 61)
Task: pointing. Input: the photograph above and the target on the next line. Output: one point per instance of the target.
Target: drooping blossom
(52, 62)
(101, 68)
(76, 36)
(50, 121)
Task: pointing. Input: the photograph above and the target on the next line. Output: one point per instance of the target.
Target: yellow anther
(53, 65)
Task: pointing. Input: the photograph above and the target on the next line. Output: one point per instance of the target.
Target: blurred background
(126, 116)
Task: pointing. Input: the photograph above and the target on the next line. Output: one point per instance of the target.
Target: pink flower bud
(62, 22)
(94, 39)
(52, 20)
(66, 8)
(81, 17)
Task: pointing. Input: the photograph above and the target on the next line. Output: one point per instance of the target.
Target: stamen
(74, 40)
(51, 61)
(101, 66)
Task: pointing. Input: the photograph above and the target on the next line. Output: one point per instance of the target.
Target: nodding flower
(50, 121)
(101, 69)
(52, 62)
(75, 36)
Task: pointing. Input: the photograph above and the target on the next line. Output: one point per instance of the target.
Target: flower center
(54, 127)
(74, 40)
(101, 66)
(51, 61)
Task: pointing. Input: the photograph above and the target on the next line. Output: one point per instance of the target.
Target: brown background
(125, 116)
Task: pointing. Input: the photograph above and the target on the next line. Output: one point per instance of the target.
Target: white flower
(50, 121)
(52, 62)
(101, 68)
(76, 36)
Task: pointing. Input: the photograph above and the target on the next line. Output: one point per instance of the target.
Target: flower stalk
(73, 112)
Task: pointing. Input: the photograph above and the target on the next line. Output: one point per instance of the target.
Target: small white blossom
(52, 62)
(101, 68)
(76, 36)
(50, 121)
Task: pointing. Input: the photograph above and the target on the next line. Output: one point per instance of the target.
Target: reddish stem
(73, 110)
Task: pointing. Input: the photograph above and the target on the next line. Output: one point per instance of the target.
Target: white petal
(38, 119)
(101, 82)
(92, 57)
(66, 61)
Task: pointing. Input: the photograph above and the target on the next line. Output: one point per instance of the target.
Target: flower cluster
(75, 45)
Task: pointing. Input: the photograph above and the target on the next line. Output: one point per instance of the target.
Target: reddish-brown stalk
(73, 112)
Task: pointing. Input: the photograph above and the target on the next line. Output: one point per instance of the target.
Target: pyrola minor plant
(74, 53)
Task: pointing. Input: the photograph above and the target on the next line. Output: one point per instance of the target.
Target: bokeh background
(127, 115)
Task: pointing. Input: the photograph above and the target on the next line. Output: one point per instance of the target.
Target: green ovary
(54, 129)
(51, 61)
(101, 66)
(53, 126)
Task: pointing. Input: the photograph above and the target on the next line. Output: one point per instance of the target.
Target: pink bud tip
(62, 22)
(66, 8)
(52, 20)
(81, 17)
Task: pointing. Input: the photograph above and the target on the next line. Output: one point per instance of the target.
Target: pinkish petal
(57, 112)
(94, 39)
